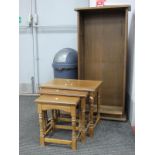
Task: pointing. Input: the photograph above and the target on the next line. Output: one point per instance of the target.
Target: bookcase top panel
(104, 7)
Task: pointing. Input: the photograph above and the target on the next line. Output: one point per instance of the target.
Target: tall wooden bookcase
(102, 54)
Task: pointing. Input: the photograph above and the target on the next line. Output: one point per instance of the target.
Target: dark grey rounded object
(65, 58)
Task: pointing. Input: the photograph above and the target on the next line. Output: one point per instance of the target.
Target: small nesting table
(67, 104)
(69, 86)
(83, 97)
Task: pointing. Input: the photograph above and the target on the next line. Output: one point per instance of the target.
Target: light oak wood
(54, 103)
(69, 87)
(74, 140)
(63, 119)
(52, 119)
(45, 118)
(61, 100)
(82, 95)
(49, 129)
(46, 106)
(83, 120)
(58, 141)
(49, 91)
(91, 128)
(42, 130)
(65, 127)
(98, 119)
(69, 84)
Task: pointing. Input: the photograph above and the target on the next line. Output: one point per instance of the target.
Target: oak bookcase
(102, 54)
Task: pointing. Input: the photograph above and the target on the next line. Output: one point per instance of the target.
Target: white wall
(54, 12)
(58, 30)
(26, 68)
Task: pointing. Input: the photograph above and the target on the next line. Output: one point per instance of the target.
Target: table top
(70, 84)
(52, 99)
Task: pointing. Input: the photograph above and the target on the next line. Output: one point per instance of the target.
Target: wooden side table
(67, 104)
(89, 86)
(83, 97)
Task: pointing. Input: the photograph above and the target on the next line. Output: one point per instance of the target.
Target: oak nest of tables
(71, 96)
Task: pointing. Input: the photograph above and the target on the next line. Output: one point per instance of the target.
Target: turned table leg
(45, 118)
(91, 126)
(52, 119)
(58, 113)
(98, 104)
(74, 139)
(41, 123)
(83, 109)
(80, 117)
(55, 115)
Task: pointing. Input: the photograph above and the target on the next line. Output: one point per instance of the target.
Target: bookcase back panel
(102, 52)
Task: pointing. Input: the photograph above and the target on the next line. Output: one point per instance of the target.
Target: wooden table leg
(80, 116)
(41, 122)
(52, 119)
(83, 109)
(45, 118)
(74, 140)
(98, 103)
(91, 126)
(58, 113)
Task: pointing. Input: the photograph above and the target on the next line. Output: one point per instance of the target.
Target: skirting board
(25, 88)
